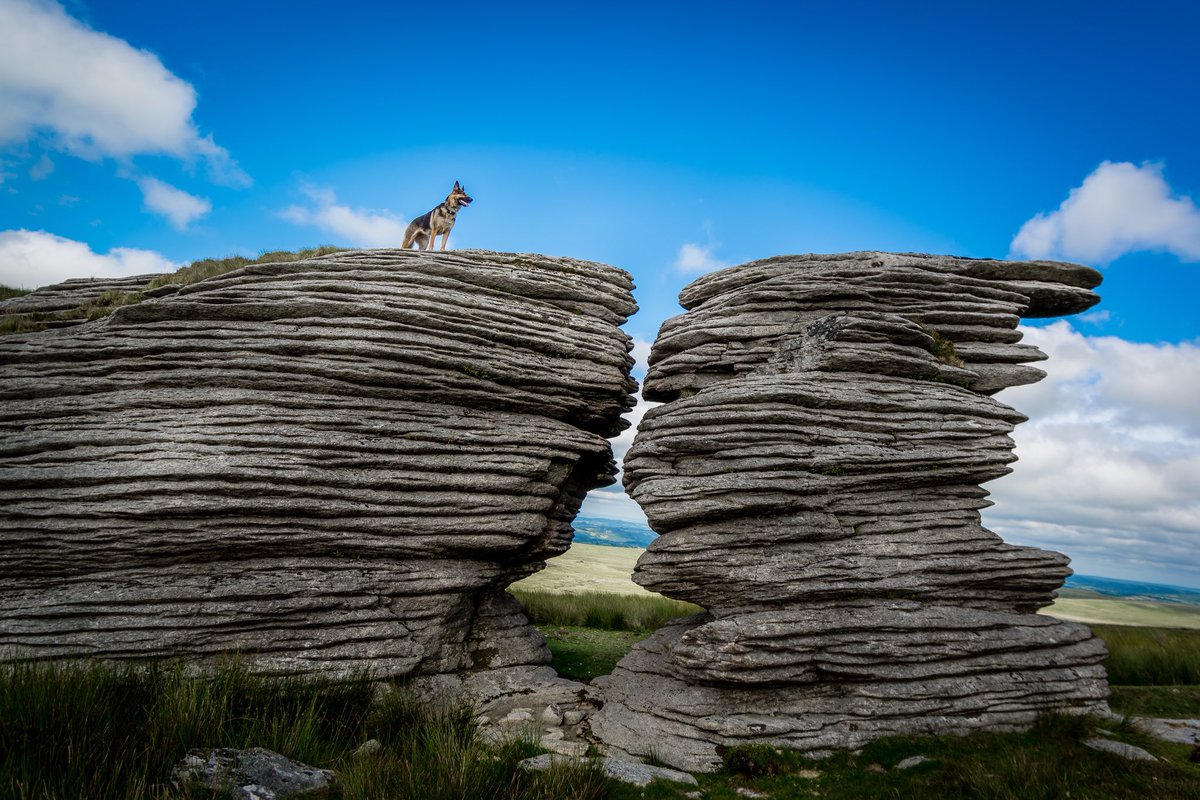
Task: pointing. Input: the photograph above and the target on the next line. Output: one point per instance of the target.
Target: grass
(589, 632)
(95, 308)
(584, 653)
(112, 299)
(587, 567)
(212, 267)
(1181, 702)
(602, 610)
(1047, 762)
(1151, 656)
(71, 731)
(98, 731)
(1111, 611)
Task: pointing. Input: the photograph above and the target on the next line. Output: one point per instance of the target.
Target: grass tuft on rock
(212, 267)
(105, 304)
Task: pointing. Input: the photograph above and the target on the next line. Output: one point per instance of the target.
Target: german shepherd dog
(425, 229)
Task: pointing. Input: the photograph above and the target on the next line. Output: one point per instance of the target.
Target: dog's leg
(445, 238)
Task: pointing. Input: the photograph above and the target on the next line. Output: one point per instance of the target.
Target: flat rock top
(856, 264)
(525, 333)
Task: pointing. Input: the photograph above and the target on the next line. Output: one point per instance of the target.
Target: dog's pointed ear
(456, 186)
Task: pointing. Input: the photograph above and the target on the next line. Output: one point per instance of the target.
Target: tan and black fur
(425, 229)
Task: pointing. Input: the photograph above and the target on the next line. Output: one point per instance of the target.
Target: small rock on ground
(1120, 749)
(911, 761)
(553, 715)
(252, 774)
(368, 748)
(625, 771)
(744, 792)
(1179, 731)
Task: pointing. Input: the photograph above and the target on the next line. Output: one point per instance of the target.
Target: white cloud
(356, 226)
(43, 168)
(95, 95)
(641, 357)
(29, 259)
(175, 204)
(1109, 469)
(1096, 317)
(1120, 208)
(694, 257)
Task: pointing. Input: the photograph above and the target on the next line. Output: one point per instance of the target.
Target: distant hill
(612, 532)
(1091, 586)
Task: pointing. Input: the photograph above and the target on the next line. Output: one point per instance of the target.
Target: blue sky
(669, 139)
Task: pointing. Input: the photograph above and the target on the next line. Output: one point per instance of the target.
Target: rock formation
(815, 477)
(323, 465)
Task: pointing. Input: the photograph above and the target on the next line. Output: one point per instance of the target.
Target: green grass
(95, 308)
(1180, 702)
(589, 632)
(1151, 656)
(1048, 762)
(94, 731)
(602, 610)
(212, 267)
(585, 653)
(8, 291)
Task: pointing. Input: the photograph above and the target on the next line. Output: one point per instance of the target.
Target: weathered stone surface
(1127, 751)
(739, 316)
(815, 479)
(70, 294)
(323, 464)
(1179, 731)
(253, 774)
(631, 772)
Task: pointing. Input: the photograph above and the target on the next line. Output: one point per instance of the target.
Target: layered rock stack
(815, 477)
(322, 465)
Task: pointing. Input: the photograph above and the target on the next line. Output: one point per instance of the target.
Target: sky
(671, 140)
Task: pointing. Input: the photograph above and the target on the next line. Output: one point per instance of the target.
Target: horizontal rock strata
(324, 465)
(815, 477)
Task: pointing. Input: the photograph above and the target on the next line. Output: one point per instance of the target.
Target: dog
(424, 229)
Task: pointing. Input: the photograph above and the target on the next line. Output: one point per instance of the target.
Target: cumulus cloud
(357, 226)
(1120, 208)
(694, 257)
(94, 94)
(29, 259)
(1109, 468)
(175, 204)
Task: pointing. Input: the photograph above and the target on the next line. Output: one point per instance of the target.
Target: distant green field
(587, 568)
(1125, 612)
(598, 568)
